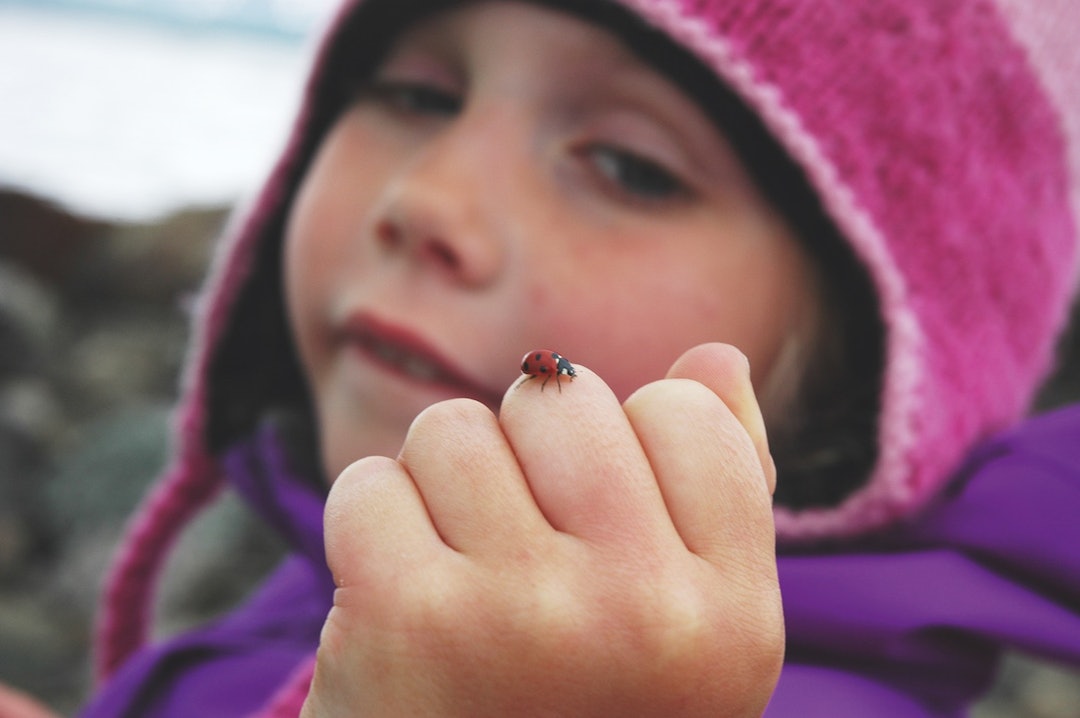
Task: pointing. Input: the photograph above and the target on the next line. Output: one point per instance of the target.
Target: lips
(407, 354)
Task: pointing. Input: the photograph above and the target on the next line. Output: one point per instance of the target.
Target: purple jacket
(909, 624)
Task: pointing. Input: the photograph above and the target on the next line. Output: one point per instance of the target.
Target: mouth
(406, 354)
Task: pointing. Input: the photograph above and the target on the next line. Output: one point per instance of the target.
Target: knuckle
(683, 624)
(449, 416)
(666, 394)
(358, 476)
(446, 429)
(732, 359)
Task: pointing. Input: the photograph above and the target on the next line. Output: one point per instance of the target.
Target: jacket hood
(942, 140)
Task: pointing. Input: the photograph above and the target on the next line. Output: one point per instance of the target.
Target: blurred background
(129, 109)
(128, 131)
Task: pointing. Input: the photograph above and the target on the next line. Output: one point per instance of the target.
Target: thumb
(726, 372)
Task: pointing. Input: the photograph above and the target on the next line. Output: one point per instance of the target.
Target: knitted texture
(1048, 30)
(130, 588)
(938, 136)
(938, 152)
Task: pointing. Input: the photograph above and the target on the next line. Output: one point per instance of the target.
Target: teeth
(386, 352)
(409, 363)
(419, 368)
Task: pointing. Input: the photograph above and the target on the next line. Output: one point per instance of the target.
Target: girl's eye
(634, 174)
(412, 97)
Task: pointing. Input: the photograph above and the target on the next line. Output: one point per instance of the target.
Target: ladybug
(546, 363)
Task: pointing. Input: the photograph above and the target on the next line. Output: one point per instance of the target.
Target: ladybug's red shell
(546, 363)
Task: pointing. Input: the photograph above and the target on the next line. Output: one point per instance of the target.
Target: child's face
(514, 179)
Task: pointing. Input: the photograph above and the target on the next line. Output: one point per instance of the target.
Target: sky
(130, 109)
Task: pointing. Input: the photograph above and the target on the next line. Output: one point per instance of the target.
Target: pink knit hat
(943, 139)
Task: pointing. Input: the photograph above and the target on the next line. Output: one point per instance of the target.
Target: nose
(438, 209)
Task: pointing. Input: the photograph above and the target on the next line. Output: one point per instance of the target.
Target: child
(872, 201)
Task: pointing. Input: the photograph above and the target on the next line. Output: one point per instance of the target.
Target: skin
(19, 705)
(515, 179)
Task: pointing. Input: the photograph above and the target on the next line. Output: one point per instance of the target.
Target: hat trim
(1046, 30)
(193, 478)
(890, 490)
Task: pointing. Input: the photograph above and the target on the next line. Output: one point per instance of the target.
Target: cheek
(319, 243)
(324, 235)
(324, 223)
(304, 266)
(643, 337)
(628, 316)
(624, 326)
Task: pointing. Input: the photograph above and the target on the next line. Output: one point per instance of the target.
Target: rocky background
(93, 327)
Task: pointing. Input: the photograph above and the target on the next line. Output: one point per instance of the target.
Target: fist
(569, 557)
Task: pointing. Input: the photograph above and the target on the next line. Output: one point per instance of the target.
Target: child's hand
(571, 557)
(16, 704)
